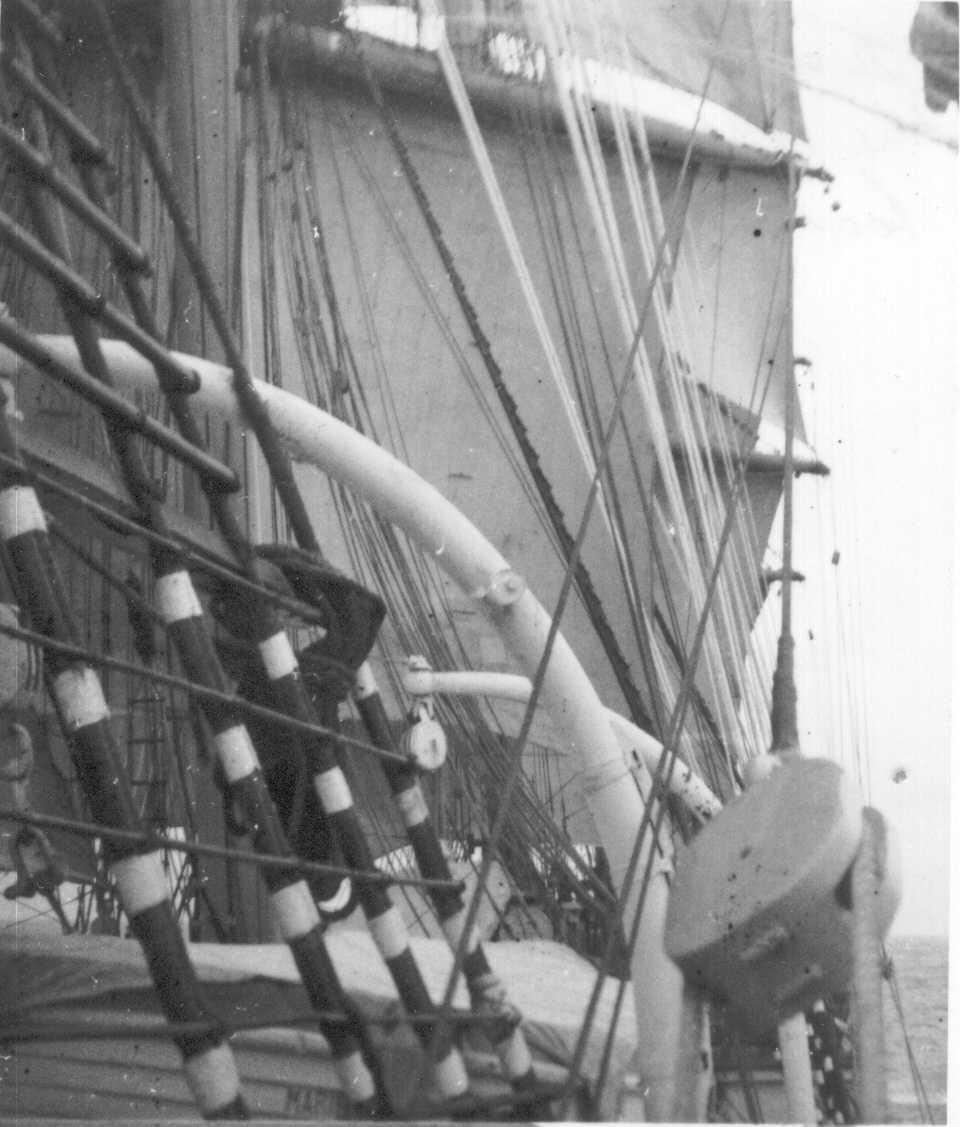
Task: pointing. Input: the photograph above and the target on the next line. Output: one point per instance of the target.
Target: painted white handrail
(692, 791)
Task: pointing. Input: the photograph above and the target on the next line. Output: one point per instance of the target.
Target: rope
(591, 411)
(364, 533)
(555, 175)
(585, 587)
(783, 719)
(285, 862)
(201, 692)
(661, 781)
(279, 463)
(571, 82)
(461, 101)
(668, 758)
(198, 557)
(916, 1076)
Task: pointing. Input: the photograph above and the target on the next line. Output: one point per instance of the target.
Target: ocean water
(921, 973)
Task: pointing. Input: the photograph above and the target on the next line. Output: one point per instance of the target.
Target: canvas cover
(95, 984)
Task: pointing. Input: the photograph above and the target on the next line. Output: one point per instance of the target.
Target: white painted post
(870, 1078)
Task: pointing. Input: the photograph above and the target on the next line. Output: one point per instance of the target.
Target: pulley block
(425, 741)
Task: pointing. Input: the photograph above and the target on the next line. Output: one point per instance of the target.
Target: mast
(785, 741)
(201, 46)
(201, 55)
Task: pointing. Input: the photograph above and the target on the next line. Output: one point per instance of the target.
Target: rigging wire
(644, 495)
(266, 223)
(759, 392)
(287, 861)
(481, 156)
(426, 292)
(591, 411)
(698, 500)
(656, 807)
(560, 533)
(278, 461)
(404, 591)
(581, 128)
(196, 554)
(551, 636)
(916, 1074)
(667, 586)
(851, 658)
(202, 692)
(728, 526)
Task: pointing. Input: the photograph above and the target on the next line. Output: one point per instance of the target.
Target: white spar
(687, 786)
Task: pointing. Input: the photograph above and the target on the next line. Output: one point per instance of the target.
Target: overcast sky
(876, 312)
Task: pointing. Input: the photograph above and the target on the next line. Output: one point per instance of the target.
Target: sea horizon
(921, 975)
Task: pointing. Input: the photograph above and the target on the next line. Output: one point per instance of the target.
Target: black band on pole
(487, 996)
(292, 904)
(383, 919)
(78, 698)
(233, 744)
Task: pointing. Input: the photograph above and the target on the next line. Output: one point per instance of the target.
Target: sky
(876, 313)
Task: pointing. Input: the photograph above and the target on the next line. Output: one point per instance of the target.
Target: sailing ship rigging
(513, 261)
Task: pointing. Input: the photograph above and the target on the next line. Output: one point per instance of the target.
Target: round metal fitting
(426, 744)
(505, 588)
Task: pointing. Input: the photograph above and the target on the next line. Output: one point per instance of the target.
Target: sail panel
(406, 330)
(365, 310)
(732, 286)
(745, 49)
(750, 51)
